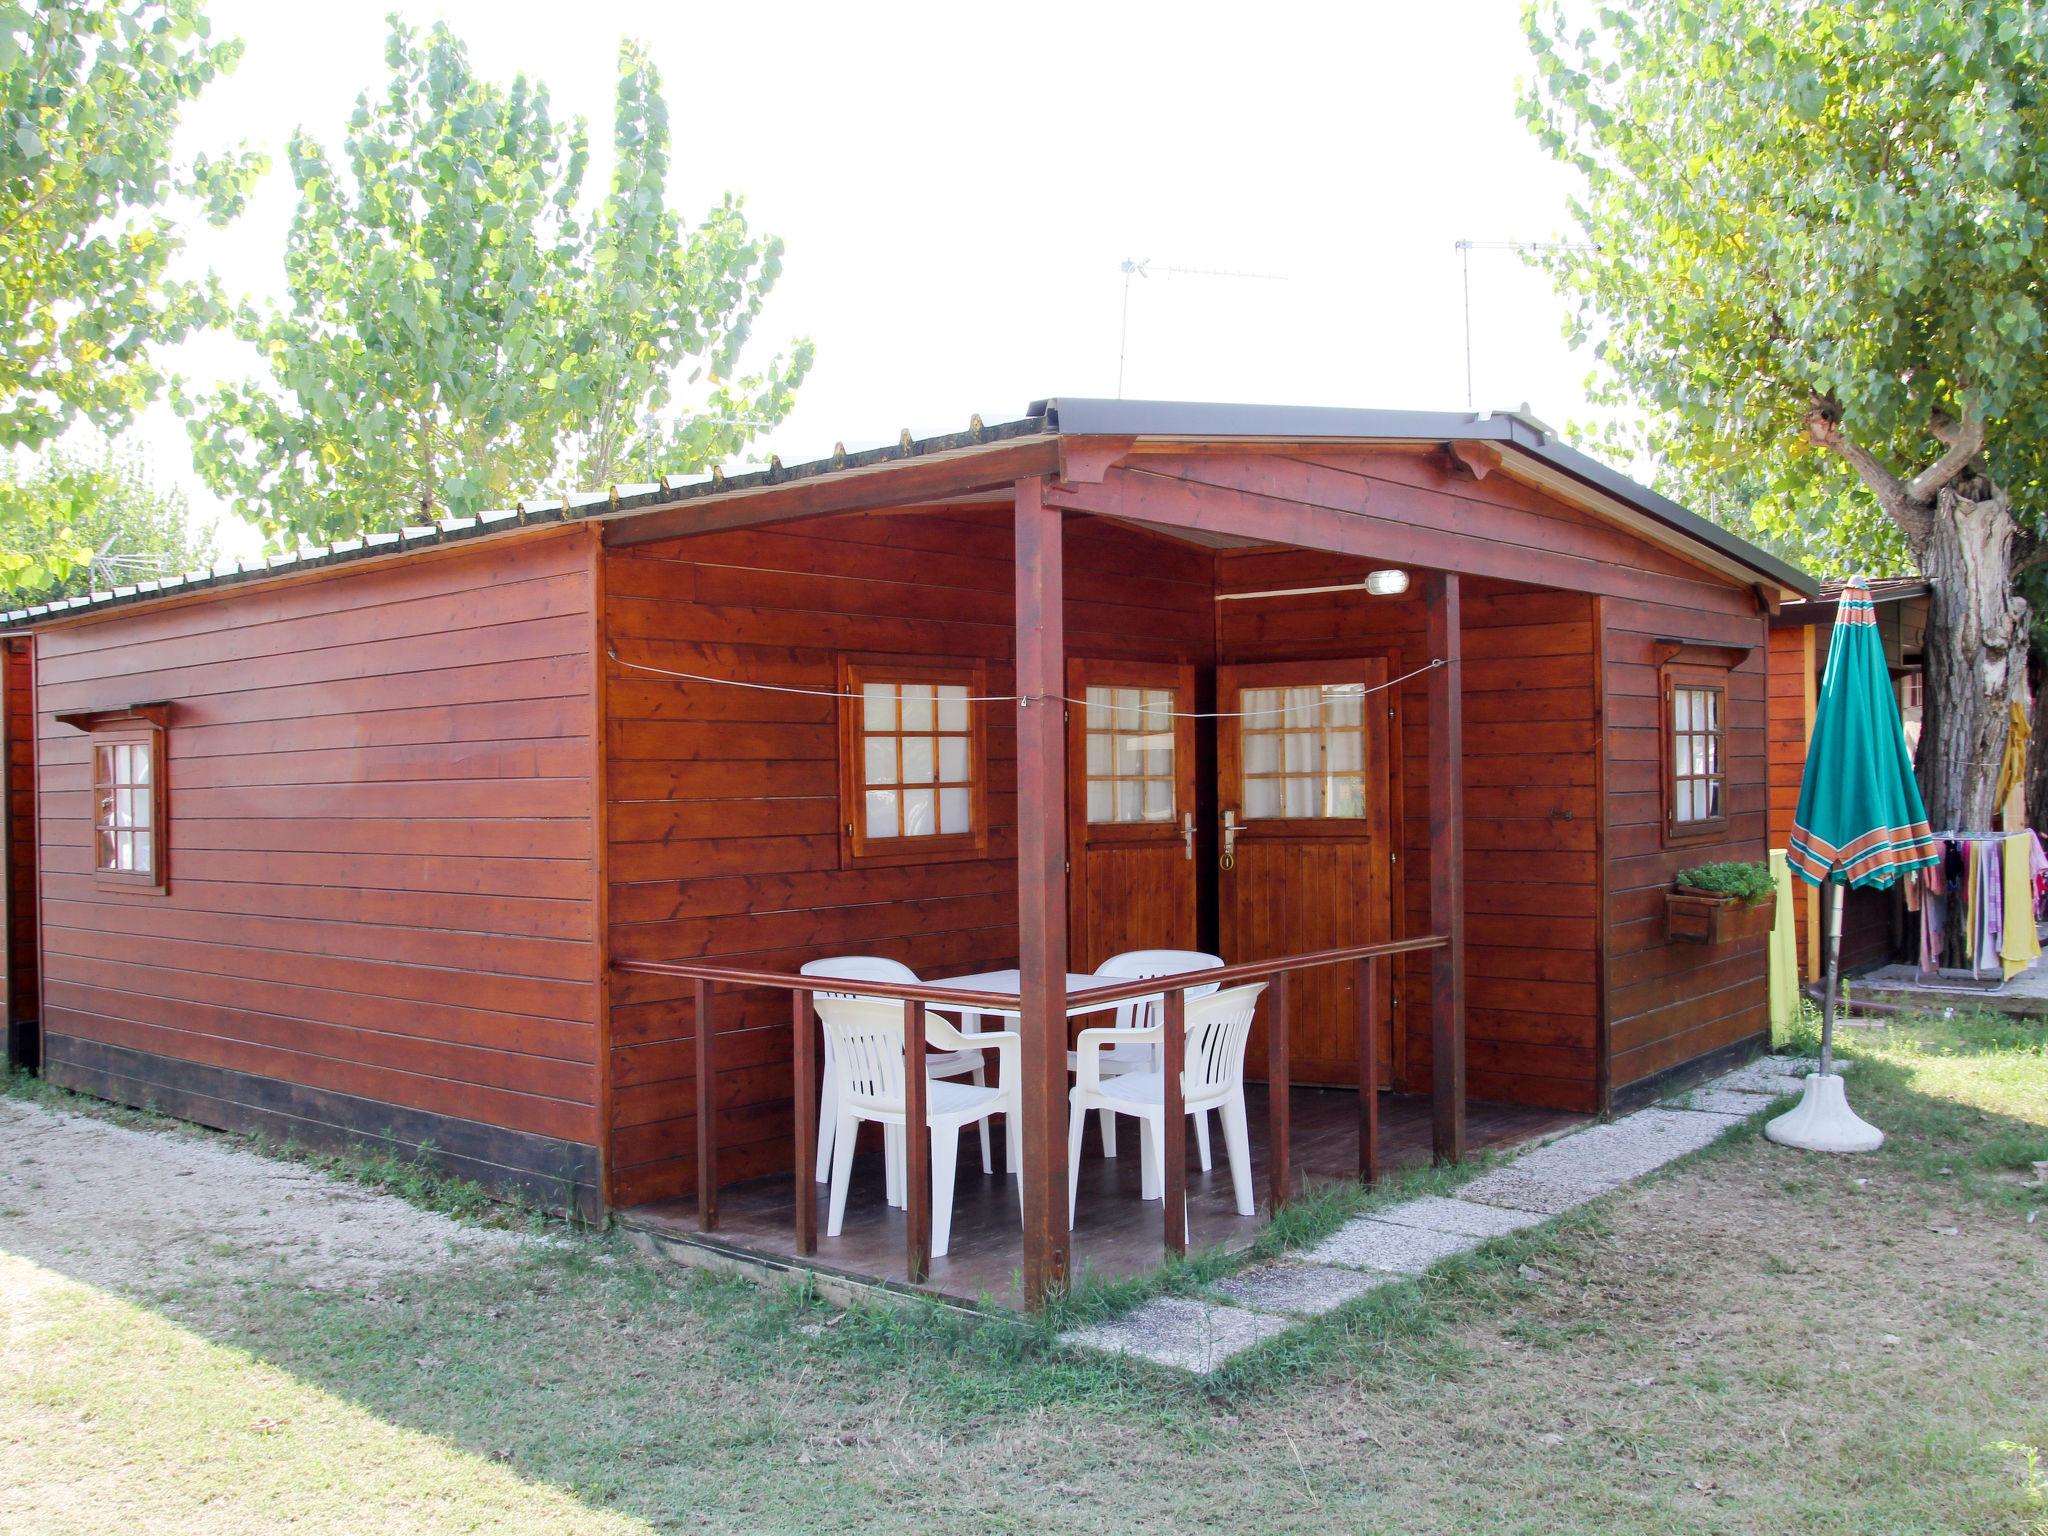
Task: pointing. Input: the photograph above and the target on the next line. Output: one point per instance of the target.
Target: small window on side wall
(913, 761)
(1695, 752)
(130, 803)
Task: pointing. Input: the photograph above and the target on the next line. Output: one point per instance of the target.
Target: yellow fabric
(1784, 948)
(2011, 795)
(2021, 946)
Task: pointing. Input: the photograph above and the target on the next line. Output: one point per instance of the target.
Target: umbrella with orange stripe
(1860, 821)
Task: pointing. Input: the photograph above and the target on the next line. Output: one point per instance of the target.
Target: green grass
(1703, 1352)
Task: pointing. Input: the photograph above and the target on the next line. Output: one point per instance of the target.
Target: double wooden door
(1304, 800)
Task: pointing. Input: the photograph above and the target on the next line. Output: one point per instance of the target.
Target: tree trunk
(1976, 653)
(2037, 746)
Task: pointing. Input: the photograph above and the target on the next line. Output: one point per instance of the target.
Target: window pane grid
(916, 764)
(1304, 752)
(124, 808)
(1130, 744)
(1698, 772)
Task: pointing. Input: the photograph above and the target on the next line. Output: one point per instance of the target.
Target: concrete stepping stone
(1517, 1189)
(1305, 1290)
(1436, 1213)
(1178, 1331)
(1366, 1243)
(1626, 1149)
(1724, 1101)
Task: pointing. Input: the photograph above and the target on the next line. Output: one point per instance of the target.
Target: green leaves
(90, 94)
(460, 334)
(60, 513)
(1797, 203)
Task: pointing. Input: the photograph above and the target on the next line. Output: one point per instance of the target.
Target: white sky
(958, 183)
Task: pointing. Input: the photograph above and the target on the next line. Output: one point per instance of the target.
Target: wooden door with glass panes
(1306, 843)
(1130, 808)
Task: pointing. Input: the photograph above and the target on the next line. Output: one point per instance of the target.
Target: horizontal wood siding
(1669, 1005)
(381, 849)
(1531, 797)
(724, 812)
(1788, 721)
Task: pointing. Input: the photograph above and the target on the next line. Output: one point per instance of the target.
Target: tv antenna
(1147, 268)
(1465, 248)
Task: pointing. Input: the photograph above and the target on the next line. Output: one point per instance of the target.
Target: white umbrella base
(1824, 1122)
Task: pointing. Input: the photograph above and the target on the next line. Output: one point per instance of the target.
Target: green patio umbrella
(1860, 821)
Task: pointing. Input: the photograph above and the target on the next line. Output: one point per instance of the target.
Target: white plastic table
(1000, 982)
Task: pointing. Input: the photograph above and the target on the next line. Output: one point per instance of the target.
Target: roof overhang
(1530, 452)
(1065, 438)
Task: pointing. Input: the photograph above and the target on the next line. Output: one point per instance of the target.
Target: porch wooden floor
(1116, 1233)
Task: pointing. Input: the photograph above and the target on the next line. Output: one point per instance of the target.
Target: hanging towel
(1973, 904)
(1784, 949)
(2021, 947)
(1990, 904)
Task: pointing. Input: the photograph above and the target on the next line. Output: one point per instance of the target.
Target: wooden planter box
(1692, 917)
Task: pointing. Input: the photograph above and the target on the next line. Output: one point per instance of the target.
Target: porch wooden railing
(1370, 961)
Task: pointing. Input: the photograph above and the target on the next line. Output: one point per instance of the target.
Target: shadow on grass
(663, 1394)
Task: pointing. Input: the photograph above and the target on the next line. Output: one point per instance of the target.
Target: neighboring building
(1872, 921)
(347, 847)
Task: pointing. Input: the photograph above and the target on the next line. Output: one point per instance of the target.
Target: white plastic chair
(1212, 1077)
(866, 1035)
(1143, 1013)
(948, 1065)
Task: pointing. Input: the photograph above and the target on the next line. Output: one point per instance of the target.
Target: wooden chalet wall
(381, 915)
(18, 804)
(1789, 723)
(724, 808)
(1531, 798)
(1671, 1006)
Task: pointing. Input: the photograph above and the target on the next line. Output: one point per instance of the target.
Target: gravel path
(145, 1212)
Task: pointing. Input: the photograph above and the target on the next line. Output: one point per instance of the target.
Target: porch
(1430, 886)
(1116, 1233)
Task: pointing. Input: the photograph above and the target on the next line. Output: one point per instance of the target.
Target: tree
(460, 334)
(90, 204)
(1817, 263)
(127, 527)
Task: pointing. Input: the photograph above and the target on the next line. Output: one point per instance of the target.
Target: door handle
(1230, 839)
(1187, 832)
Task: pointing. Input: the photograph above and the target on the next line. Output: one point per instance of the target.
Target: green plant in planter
(1748, 883)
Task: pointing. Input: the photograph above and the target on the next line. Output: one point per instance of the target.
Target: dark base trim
(559, 1176)
(1661, 1085)
(24, 1045)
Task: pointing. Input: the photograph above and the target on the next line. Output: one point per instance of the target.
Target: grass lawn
(1756, 1340)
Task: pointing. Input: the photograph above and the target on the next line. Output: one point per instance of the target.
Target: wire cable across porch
(1370, 960)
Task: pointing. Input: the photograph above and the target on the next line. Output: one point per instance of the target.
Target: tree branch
(1965, 441)
(1894, 496)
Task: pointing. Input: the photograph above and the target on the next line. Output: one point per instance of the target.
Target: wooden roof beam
(892, 483)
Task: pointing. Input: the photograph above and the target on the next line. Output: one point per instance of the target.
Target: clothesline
(1020, 699)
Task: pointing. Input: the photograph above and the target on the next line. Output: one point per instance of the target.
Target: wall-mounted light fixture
(1388, 583)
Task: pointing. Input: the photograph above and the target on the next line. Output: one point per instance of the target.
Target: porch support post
(707, 1110)
(1446, 867)
(1042, 889)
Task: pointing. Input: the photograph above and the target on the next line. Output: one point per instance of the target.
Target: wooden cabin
(441, 840)
(1873, 930)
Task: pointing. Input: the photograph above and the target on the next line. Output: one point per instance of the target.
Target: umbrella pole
(1823, 1120)
(1834, 980)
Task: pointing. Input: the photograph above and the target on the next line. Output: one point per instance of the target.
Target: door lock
(1230, 839)
(1187, 833)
